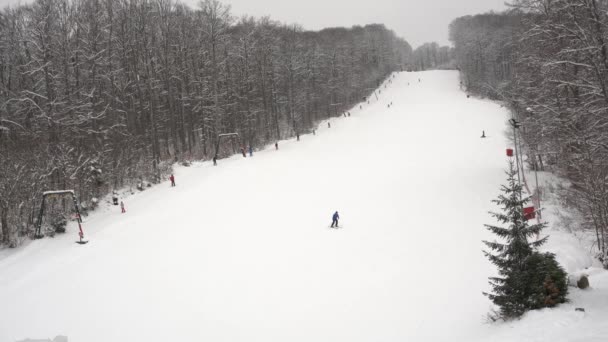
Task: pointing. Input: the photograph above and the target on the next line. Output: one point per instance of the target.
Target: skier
(483, 134)
(276, 145)
(243, 152)
(214, 161)
(298, 136)
(250, 151)
(172, 179)
(114, 198)
(328, 125)
(335, 219)
(122, 207)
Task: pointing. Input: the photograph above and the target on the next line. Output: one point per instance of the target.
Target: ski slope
(243, 251)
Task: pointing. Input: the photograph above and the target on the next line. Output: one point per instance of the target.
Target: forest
(548, 62)
(97, 95)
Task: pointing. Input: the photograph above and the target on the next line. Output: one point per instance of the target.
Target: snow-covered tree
(126, 86)
(527, 279)
(548, 62)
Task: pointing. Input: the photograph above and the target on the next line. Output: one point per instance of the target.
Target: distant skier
(172, 179)
(328, 125)
(114, 198)
(243, 152)
(276, 145)
(250, 151)
(483, 134)
(298, 136)
(334, 220)
(214, 161)
(122, 207)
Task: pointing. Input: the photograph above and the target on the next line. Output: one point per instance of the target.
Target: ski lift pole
(373, 91)
(515, 124)
(38, 233)
(81, 235)
(537, 190)
(76, 208)
(536, 159)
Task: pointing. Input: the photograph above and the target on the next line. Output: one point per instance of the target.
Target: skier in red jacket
(172, 179)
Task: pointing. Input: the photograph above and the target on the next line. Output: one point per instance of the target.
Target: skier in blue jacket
(335, 219)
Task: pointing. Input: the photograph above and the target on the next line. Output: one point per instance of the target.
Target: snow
(58, 192)
(242, 251)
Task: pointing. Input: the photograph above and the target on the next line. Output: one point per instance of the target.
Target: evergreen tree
(527, 279)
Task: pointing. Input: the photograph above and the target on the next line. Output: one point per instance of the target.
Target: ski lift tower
(59, 193)
(222, 136)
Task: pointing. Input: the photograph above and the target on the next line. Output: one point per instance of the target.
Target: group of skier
(115, 202)
(335, 216)
(243, 152)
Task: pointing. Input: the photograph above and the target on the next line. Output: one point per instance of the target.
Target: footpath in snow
(243, 251)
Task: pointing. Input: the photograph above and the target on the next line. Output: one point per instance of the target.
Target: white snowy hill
(243, 251)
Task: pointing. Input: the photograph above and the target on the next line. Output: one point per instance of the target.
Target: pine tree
(515, 290)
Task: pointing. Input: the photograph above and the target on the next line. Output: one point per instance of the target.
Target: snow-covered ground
(243, 251)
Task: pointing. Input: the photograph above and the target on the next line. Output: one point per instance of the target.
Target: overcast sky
(417, 21)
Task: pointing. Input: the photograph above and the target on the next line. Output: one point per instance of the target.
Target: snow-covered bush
(143, 185)
(58, 223)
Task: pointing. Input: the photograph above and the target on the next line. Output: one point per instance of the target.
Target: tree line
(99, 94)
(548, 61)
(430, 56)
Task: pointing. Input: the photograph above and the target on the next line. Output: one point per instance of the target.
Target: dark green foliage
(545, 280)
(527, 279)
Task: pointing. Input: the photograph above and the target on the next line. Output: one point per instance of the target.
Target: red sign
(510, 152)
(529, 213)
